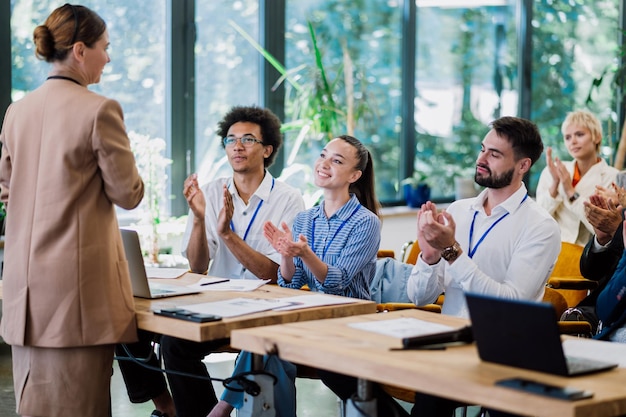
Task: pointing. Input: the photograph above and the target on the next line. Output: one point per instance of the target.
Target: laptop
(138, 277)
(523, 334)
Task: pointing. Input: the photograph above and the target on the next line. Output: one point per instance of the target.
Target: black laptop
(523, 334)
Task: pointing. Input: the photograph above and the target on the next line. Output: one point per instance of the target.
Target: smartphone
(204, 318)
(182, 314)
(563, 393)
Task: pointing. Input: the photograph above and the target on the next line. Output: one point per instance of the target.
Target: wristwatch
(574, 197)
(451, 252)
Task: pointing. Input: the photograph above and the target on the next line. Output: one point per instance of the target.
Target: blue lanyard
(336, 232)
(256, 211)
(472, 251)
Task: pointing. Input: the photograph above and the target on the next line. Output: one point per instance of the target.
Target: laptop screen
(517, 333)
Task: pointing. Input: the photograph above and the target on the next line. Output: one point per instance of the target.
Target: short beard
(496, 182)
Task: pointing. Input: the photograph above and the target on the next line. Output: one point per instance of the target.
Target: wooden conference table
(200, 332)
(456, 373)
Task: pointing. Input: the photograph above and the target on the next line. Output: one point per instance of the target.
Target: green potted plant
(416, 189)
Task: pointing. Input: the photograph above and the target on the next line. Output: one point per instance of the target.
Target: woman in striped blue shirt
(332, 248)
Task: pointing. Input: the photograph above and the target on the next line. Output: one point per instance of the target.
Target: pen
(214, 282)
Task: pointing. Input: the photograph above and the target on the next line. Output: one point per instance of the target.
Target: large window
(574, 43)
(136, 75)
(464, 64)
(359, 43)
(465, 77)
(227, 74)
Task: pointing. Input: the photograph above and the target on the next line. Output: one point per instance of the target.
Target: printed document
(402, 327)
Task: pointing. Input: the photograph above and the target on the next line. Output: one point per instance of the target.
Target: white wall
(399, 225)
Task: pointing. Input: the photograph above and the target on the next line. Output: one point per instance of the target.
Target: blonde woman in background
(565, 185)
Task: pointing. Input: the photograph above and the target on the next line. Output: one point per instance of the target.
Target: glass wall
(136, 75)
(574, 43)
(359, 46)
(466, 70)
(466, 74)
(227, 74)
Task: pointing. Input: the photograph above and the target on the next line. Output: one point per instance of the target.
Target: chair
(566, 275)
(411, 259)
(558, 301)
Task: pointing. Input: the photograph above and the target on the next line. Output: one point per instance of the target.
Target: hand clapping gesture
(282, 242)
(560, 174)
(435, 231)
(226, 213)
(616, 193)
(194, 196)
(603, 214)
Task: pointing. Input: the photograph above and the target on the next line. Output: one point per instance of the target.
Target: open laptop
(523, 334)
(138, 277)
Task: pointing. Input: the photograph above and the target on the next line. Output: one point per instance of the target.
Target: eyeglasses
(246, 140)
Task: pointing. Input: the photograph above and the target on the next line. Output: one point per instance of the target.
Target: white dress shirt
(514, 260)
(278, 201)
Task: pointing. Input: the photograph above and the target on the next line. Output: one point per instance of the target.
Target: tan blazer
(66, 161)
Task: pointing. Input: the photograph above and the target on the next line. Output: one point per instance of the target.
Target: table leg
(364, 404)
(261, 405)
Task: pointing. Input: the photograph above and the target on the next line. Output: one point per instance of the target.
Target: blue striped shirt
(349, 253)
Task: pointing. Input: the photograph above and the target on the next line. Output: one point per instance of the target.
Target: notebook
(523, 334)
(138, 277)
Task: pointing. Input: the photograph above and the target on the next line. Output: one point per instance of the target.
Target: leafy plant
(152, 166)
(418, 178)
(317, 105)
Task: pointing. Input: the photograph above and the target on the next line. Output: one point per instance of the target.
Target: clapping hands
(281, 240)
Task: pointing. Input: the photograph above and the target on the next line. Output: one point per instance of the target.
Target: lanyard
(336, 232)
(472, 251)
(232, 225)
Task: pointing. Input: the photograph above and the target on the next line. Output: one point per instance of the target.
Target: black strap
(62, 77)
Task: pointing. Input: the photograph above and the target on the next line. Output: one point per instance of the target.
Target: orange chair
(566, 276)
(558, 301)
(414, 251)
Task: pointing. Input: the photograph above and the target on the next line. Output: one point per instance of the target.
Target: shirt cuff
(597, 247)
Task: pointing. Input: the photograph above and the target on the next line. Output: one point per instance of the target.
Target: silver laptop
(138, 277)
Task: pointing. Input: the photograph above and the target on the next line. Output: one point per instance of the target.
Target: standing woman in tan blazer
(65, 162)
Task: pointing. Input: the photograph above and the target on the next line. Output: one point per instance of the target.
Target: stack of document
(240, 306)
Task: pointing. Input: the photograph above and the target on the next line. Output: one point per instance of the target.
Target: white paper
(231, 285)
(165, 273)
(314, 300)
(236, 306)
(402, 327)
(599, 350)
